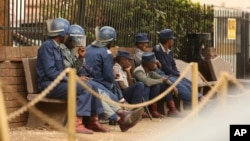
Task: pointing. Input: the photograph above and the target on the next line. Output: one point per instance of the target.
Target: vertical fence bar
(194, 86)
(54, 8)
(4, 23)
(41, 37)
(14, 28)
(32, 22)
(21, 29)
(10, 28)
(36, 23)
(29, 9)
(218, 34)
(63, 9)
(81, 12)
(71, 104)
(70, 12)
(50, 9)
(4, 128)
(26, 10)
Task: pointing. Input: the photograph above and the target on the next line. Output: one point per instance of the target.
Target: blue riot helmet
(76, 35)
(105, 35)
(58, 27)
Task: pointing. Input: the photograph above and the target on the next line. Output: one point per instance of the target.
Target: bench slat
(50, 100)
(181, 65)
(218, 65)
(205, 84)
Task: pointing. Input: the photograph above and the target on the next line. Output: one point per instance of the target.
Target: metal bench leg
(147, 110)
(65, 120)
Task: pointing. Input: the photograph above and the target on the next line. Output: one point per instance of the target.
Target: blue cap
(148, 57)
(167, 34)
(141, 38)
(123, 54)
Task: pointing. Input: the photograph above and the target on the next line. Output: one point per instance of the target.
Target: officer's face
(125, 63)
(152, 66)
(143, 46)
(171, 43)
(69, 44)
(64, 39)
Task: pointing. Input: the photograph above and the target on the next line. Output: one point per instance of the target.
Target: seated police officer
(157, 84)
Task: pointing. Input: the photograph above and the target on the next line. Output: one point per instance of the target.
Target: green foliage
(130, 17)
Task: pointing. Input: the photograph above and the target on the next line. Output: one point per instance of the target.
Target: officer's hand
(158, 64)
(164, 80)
(128, 68)
(81, 52)
(84, 78)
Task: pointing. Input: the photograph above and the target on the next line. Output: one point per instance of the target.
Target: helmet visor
(48, 25)
(79, 41)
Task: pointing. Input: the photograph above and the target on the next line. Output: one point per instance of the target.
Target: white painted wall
(227, 3)
(15, 12)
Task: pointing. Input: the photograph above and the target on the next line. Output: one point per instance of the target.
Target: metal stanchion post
(4, 128)
(71, 104)
(224, 89)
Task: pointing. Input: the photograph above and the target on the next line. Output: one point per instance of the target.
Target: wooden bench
(55, 108)
(218, 65)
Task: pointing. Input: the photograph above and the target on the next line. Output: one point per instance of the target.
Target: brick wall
(11, 75)
(13, 79)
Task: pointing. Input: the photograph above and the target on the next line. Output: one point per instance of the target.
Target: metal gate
(231, 38)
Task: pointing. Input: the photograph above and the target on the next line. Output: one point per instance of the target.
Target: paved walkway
(145, 130)
(211, 124)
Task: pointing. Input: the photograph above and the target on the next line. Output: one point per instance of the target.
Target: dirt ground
(145, 129)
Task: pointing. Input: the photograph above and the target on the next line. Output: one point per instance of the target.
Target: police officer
(76, 38)
(50, 64)
(164, 54)
(100, 59)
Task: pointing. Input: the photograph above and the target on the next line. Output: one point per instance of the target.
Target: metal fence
(24, 21)
(24, 25)
(231, 38)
